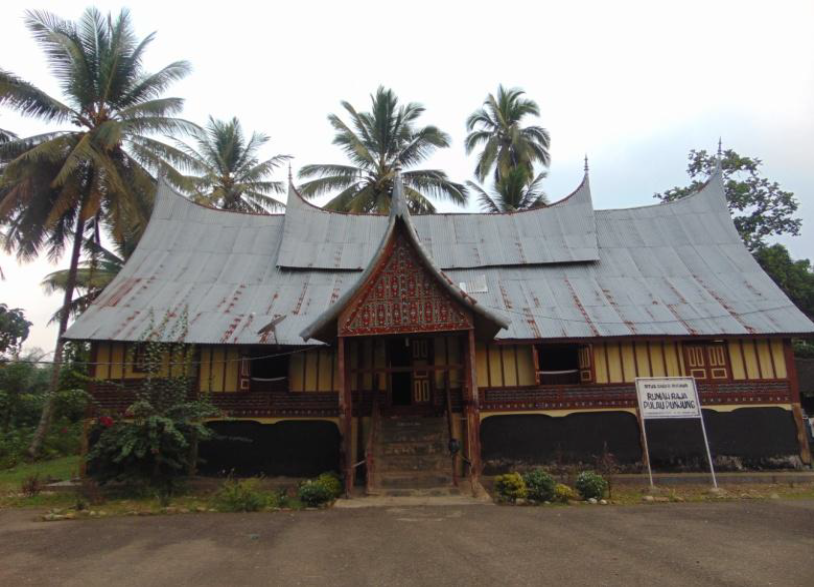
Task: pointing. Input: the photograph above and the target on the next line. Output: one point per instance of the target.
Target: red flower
(64, 430)
(106, 421)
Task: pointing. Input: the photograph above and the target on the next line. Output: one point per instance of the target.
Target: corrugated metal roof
(678, 268)
(314, 238)
(487, 322)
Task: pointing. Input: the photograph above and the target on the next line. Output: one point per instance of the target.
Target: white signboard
(663, 398)
(667, 397)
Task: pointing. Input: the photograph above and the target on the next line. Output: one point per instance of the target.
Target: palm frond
(28, 100)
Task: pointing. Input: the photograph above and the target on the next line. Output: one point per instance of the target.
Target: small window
(567, 364)
(707, 361)
(269, 366)
(139, 359)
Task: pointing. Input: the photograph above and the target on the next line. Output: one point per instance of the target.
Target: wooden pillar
(796, 408)
(345, 418)
(472, 407)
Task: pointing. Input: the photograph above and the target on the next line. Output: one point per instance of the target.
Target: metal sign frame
(700, 416)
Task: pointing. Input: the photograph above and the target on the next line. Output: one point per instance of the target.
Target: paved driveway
(743, 543)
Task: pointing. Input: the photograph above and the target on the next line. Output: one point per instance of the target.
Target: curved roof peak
(487, 322)
(711, 195)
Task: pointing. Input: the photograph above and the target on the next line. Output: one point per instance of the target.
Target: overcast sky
(635, 85)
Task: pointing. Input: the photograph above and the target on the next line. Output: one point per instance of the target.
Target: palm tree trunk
(50, 401)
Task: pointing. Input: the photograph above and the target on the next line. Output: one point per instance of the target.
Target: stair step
(427, 492)
(414, 463)
(411, 453)
(410, 436)
(413, 480)
(395, 449)
(413, 423)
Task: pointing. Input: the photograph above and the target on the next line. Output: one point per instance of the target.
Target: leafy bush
(240, 495)
(563, 493)
(156, 445)
(510, 487)
(539, 485)
(590, 485)
(314, 493)
(332, 482)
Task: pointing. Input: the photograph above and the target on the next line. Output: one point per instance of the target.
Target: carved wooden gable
(403, 296)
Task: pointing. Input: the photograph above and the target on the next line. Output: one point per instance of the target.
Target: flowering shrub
(314, 493)
(332, 483)
(539, 485)
(590, 485)
(155, 445)
(563, 493)
(510, 487)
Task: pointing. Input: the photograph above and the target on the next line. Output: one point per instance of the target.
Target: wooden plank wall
(116, 361)
(497, 365)
(509, 365)
(313, 370)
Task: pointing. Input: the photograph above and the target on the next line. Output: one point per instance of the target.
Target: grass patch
(59, 469)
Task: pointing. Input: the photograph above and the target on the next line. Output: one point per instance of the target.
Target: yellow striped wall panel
(628, 362)
(657, 360)
(750, 359)
(601, 363)
(102, 370)
(643, 360)
(525, 364)
(764, 355)
(614, 363)
(509, 365)
(736, 360)
(779, 359)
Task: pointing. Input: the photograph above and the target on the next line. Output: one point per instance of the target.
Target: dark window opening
(563, 364)
(139, 357)
(269, 366)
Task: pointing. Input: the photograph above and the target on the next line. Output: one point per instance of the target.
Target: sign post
(667, 398)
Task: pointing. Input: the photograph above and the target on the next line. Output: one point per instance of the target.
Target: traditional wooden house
(339, 340)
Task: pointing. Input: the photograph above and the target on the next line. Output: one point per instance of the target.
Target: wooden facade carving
(403, 296)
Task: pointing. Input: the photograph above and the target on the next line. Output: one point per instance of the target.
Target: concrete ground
(727, 543)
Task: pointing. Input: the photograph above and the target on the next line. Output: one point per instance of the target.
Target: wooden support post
(472, 408)
(345, 418)
(796, 408)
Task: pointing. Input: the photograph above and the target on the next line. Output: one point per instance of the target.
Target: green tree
(378, 143)
(795, 278)
(157, 442)
(506, 144)
(54, 183)
(512, 192)
(92, 276)
(229, 174)
(14, 329)
(759, 207)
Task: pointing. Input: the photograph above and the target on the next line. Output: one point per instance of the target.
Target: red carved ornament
(403, 296)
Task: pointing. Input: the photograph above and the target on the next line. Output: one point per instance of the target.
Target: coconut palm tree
(506, 144)
(55, 183)
(378, 143)
(92, 276)
(228, 173)
(512, 192)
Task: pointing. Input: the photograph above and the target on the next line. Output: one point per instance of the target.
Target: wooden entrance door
(411, 381)
(422, 384)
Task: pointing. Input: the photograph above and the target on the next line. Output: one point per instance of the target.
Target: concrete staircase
(411, 457)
